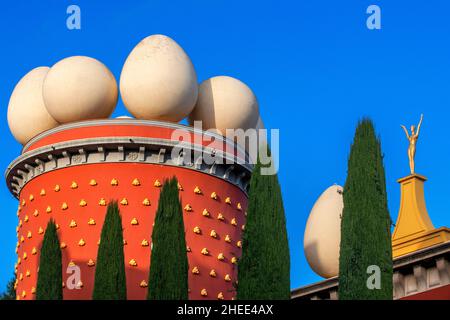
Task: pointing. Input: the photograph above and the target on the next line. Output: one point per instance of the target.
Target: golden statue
(412, 142)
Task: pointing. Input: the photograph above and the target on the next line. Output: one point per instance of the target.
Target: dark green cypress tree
(365, 225)
(10, 293)
(49, 282)
(265, 263)
(110, 281)
(168, 279)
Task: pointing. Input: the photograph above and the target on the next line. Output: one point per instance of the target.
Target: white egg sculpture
(225, 103)
(323, 233)
(27, 115)
(158, 80)
(79, 88)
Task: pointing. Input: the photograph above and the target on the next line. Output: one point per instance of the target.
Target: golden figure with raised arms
(412, 142)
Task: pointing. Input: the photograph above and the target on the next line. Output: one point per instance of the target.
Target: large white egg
(27, 115)
(158, 80)
(323, 233)
(79, 88)
(225, 103)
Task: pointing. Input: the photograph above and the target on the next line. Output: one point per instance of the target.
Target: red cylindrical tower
(70, 173)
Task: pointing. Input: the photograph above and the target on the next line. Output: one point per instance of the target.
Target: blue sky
(314, 66)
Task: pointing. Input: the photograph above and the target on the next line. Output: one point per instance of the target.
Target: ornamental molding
(45, 159)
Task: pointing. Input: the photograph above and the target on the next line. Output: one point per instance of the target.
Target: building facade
(72, 172)
(421, 275)
(421, 253)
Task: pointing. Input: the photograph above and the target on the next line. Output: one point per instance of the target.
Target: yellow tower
(414, 229)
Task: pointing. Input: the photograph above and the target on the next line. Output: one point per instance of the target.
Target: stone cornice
(126, 150)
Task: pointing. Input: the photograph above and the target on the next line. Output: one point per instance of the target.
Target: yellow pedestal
(414, 229)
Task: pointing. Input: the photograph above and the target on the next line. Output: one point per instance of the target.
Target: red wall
(125, 173)
(115, 129)
(441, 293)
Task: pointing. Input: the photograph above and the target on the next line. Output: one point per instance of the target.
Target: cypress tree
(168, 279)
(110, 281)
(365, 225)
(265, 264)
(49, 282)
(10, 293)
